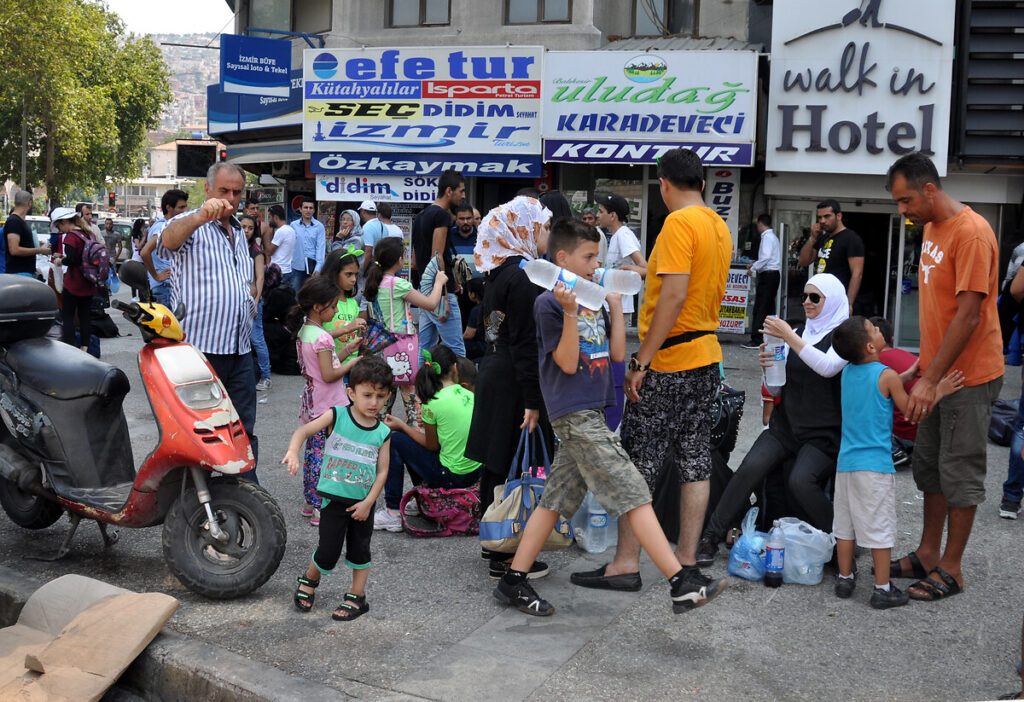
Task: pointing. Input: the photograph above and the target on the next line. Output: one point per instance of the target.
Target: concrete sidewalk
(435, 632)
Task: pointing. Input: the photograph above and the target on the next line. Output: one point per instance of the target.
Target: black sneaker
(695, 589)
(1008, 509)
(524, 598)
(844, 587)
(498, 568)
(880, 599)
(707, 549)
(900, 457)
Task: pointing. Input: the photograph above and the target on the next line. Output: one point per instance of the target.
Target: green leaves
(90, 91)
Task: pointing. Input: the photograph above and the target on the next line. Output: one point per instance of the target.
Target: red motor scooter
(64, 445)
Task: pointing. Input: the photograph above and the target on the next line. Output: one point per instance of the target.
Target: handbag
(501, 527)
(402, 354)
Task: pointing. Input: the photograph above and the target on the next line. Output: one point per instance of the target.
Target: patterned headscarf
(509, 230)
(357, 227)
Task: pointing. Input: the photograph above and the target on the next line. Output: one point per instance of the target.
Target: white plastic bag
(807, 551)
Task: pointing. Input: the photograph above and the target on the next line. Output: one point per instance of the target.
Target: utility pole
(24, 145)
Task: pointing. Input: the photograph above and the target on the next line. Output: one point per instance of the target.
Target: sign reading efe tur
(623, 107)
(470, 100)
(854, 89)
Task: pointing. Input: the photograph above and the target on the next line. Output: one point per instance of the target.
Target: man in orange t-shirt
(672, 379)
(958, 283)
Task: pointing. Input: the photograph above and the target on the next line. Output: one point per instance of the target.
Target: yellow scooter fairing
(161, 321)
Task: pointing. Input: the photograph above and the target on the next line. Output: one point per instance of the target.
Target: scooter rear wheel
(26, 509)
(252, 553)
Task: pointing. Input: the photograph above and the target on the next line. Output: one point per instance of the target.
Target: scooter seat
(63, 372)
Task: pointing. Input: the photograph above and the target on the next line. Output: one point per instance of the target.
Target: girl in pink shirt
(319, 364)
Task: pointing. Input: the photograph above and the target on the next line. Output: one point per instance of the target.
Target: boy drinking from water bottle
(865, 499)
(576, 347)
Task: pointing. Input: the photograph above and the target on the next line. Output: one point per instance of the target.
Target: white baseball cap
(60, 213)
(368, 206)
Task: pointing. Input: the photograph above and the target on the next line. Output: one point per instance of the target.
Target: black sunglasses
(815, 298)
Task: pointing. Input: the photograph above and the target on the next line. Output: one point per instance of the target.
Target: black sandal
(936, 590)
(304, 600)
(354, 606)
(916, 568)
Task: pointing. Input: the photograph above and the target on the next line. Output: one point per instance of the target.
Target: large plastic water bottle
(546, 274)
(775, 556)
(619, 281)
(596, 532)
(775, 374)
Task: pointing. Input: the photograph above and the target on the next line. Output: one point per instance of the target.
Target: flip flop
(916, 569)
(936, 590)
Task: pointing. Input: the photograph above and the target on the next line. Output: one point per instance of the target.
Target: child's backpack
(95, 260)
(443, 511)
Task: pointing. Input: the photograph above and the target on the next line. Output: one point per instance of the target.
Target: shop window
(270, 14)
(307, 16)
(537, 11)
(416, 13)
(653, 18)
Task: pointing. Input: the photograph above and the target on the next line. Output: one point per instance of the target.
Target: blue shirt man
(310, 243)
(173, 203)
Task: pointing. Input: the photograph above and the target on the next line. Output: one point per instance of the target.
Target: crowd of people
(544, 364)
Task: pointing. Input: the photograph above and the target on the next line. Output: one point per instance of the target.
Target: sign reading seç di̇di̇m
(620, 107)
(470, 100)
(854, 88)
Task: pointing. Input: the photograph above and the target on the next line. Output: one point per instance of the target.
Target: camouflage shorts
(590, 456)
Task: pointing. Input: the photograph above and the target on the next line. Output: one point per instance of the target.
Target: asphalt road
(435, 632)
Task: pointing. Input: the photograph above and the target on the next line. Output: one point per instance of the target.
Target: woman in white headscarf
(508, 395)
(804, 433)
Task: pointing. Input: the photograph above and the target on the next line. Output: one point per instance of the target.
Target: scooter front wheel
(234, 567)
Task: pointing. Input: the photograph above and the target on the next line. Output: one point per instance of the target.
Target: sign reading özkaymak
(694, 97)
(857, 83)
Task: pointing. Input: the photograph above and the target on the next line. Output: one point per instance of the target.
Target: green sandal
(304, 600)
(354, 607)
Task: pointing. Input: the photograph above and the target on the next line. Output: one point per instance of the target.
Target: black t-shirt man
(835, 253)
(19, 264)
(423, 227)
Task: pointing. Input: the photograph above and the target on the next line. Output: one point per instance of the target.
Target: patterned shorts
(672, 418)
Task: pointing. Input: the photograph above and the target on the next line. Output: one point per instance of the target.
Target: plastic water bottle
(775, 374)
(775, 556)
(547, 275)
(619, 281)
(596, 532)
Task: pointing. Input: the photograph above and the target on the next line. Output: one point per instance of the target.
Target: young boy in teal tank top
(865, 496)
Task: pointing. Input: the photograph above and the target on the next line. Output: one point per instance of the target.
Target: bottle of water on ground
(775, 556)
(546, 274)
(619, 281)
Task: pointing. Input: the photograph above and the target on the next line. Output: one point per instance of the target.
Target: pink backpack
(443, 511)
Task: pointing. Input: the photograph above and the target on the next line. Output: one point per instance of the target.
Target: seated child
(466, 370)
(576, 348)
(354, 469)
(865, 497)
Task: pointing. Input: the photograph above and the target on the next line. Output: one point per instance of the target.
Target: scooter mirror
(179, 311)
(133, 274)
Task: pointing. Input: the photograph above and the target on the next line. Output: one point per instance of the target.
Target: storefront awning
(268, 151)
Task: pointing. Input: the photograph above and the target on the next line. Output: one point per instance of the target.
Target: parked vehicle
(65, 445)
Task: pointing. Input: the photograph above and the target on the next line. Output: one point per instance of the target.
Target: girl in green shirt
(434, 457)
(342, 268)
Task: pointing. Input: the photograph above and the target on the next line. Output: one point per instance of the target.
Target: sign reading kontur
(853, 89)
(614, 106)
(471, 100)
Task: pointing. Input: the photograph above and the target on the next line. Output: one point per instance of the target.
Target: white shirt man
(282, 244)
(623, 248)
(767, 268)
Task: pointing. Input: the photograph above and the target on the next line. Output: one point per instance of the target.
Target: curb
(176, 668)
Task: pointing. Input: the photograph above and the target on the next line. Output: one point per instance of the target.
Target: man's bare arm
(438, 244)
(180, 229)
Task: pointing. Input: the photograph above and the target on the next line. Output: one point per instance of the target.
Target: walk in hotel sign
(853, 87)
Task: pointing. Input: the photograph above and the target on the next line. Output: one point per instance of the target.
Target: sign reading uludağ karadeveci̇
(471, 100)
(415, 163)
(853, 89)
(255, 65)
(352, 188)
(604, 106)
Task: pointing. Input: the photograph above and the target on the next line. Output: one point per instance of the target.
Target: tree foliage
(89, 91)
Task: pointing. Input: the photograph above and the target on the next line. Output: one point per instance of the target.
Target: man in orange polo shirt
(672, 379)
(958, 280)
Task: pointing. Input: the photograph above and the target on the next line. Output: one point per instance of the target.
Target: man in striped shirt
(212, 274)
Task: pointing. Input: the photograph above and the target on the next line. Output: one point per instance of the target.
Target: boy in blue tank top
(865, 498)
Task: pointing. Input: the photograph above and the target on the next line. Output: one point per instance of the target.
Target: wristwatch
(635, 365)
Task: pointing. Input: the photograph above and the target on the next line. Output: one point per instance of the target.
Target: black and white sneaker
(1009, 509)
(695, 589)
(750, 345)
(887, 599)
(524, 598)
(498, 568)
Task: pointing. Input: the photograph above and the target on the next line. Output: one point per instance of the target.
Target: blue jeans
(424, 467)
(1013, 488)
(236, 372)
(161, 293)
(259, 344)
(296, 278)
(448, 332)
